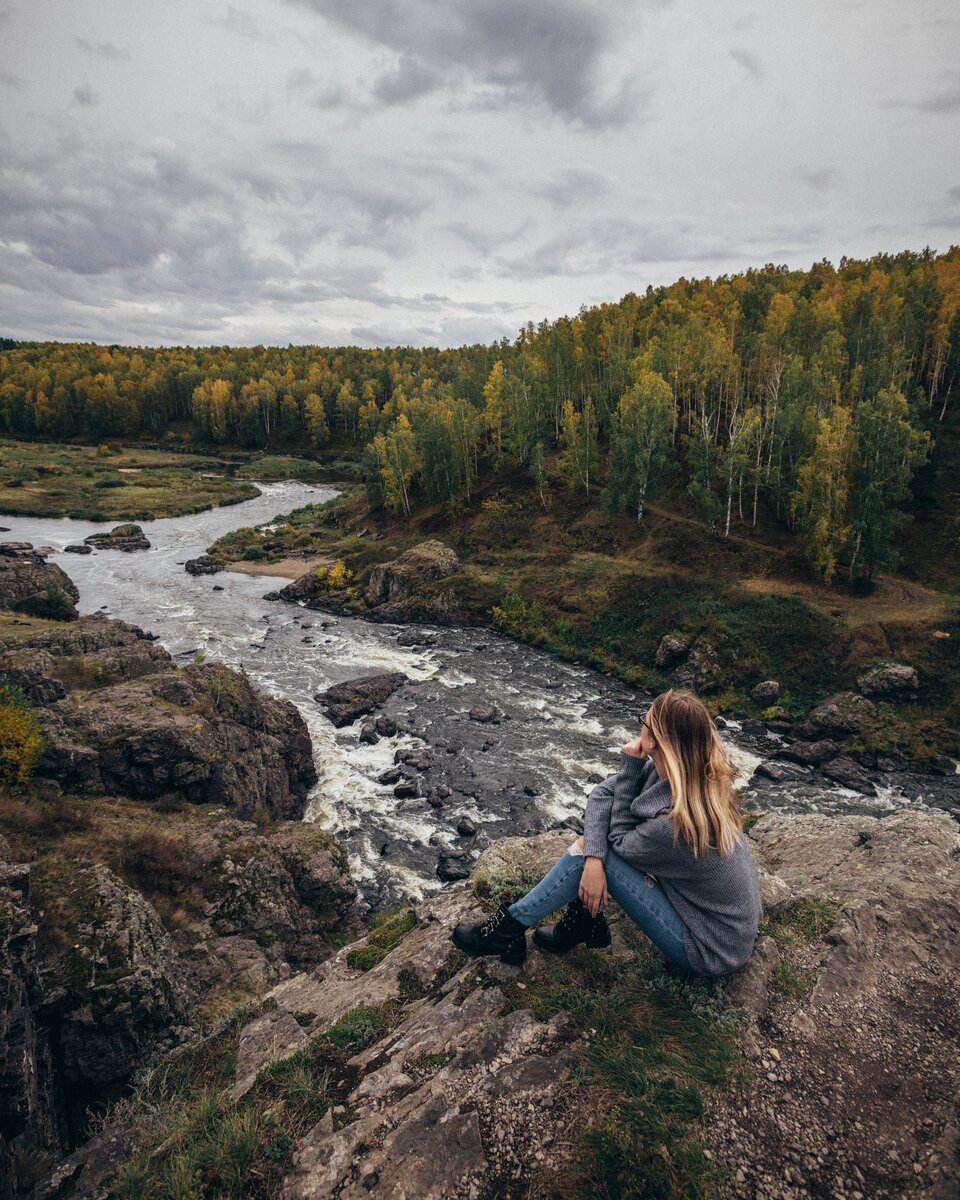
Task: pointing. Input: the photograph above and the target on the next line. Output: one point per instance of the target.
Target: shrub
(252, 554)
(362, 1026)
(110, 483)
(334, 578)
(21, 738)
(59, 604)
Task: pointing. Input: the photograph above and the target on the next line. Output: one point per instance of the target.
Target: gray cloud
(239, 22)
(821, 180)
(102, 49)
(953, 194)
(515, 48)
(11, 81)
(942, 102)
(573, 185)
(410, 80)
(749, 61)
(85, 96)
(333, 96)
(611, 243)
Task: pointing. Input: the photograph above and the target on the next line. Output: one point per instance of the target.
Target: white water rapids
(561, 723)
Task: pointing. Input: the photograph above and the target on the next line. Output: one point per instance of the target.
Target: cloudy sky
(435, 172)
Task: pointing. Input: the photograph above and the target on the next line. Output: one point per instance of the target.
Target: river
(560, 724)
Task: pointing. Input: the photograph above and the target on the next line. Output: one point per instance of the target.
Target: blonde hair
(705, 808)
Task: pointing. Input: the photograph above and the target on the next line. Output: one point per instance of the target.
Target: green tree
(821, 503)
(493, 406)
(888, 451)
(315, 414)
(578, 436)
(640, 443)
(398, 461)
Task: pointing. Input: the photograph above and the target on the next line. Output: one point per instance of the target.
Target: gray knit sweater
(718, 899)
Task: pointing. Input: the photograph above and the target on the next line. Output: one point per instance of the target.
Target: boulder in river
(809, 754)
(486, 714)
(122, 537)
(849, 774)
(40, 589)
(368, 734)
(344, 702)
(78, 548)
(204, 565)
(453, 865)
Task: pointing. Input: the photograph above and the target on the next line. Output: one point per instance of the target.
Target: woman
(662, 837)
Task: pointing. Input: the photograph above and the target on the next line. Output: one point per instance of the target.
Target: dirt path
(702, 525)
(287, 568)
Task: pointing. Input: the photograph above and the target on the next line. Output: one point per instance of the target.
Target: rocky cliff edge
(829, 1066)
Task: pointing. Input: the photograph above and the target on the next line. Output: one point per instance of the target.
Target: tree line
(817, 394)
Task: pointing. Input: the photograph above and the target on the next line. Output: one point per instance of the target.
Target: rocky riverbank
(154, 873)
(167, 885)
(850, 737)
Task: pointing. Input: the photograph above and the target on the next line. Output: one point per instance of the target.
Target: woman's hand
(593, 886)
(635, 749)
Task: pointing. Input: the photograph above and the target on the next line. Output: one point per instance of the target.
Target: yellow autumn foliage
(334, 578)
(21, 738)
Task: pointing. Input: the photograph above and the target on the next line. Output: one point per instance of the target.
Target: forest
(815, 396)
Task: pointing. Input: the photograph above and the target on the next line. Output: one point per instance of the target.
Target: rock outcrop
(203, 733)
(411, 588)
(672, 649)
(456, 1082)
(889, 681)
(700, 671)
(119, 717)
(114, 993)
(29, 1125)
(29, 584)
(839, 715)
(103, 988)
(122, 537)
(407, 574)
(92, 652)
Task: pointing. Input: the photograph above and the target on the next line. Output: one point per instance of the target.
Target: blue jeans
(641, 898)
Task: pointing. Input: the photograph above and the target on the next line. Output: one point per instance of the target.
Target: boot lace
(491, 924)
(570, 919)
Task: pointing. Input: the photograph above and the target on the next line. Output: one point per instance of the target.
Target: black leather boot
(575, 928)
(500, 934)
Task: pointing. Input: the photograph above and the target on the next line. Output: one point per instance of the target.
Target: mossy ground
(794, 930)
(112, 484)
(191, 1139)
